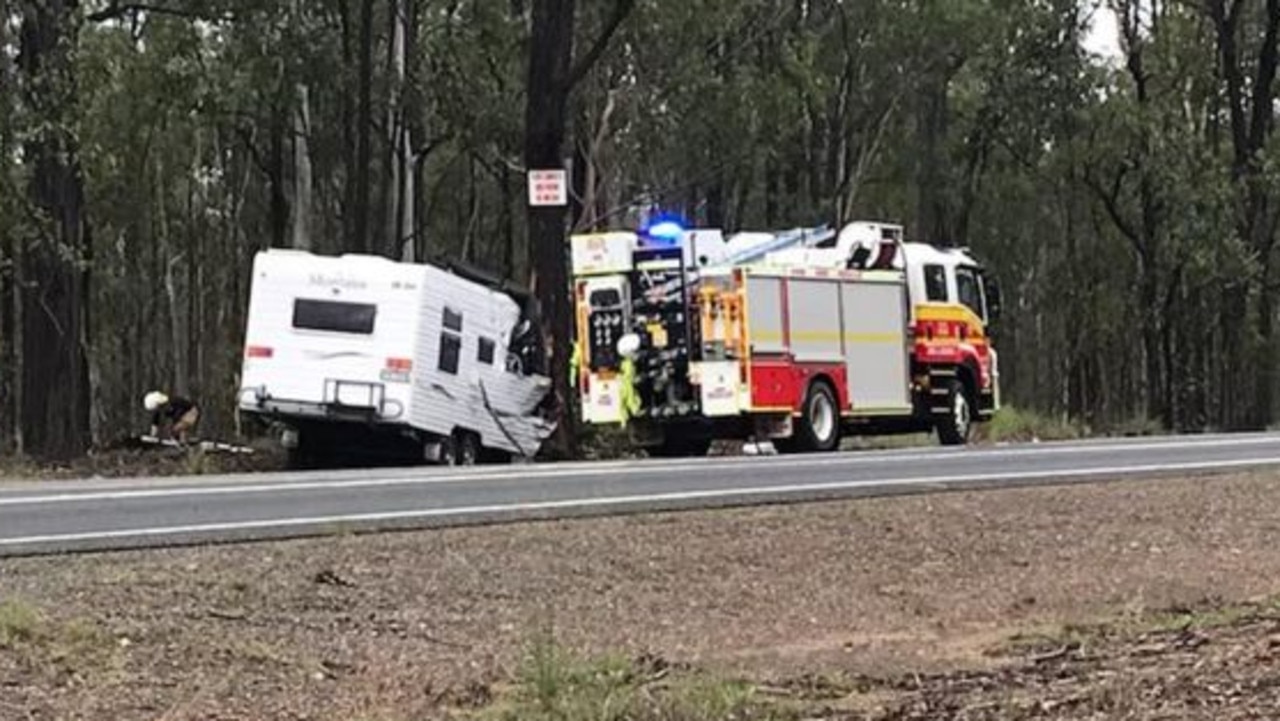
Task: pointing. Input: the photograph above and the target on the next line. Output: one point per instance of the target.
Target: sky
(1103, 38)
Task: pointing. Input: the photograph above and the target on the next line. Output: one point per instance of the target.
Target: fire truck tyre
(468, 446)
(955, 426)
(818, 428)
(676, 446)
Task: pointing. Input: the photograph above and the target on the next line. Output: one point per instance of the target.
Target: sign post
(548, 188)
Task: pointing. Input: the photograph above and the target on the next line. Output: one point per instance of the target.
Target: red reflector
(399, 364)
(258, 351)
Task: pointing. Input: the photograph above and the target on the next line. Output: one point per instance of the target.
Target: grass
(1210, 616)
(554, 685)
(1013, 425)
(77, 646)
(18, 623)
(1161, 621)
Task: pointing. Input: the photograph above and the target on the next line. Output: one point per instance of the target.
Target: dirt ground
(1138, 600)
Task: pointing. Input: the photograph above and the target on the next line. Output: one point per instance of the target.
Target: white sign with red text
(548, 187)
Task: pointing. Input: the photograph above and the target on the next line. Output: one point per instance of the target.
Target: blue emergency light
(666, 232)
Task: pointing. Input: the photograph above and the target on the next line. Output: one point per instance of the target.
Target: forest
(1127, 202)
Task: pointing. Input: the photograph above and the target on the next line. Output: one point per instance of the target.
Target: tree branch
(117, 10)
(621, 9)
(1264, 84)
(1110, 198)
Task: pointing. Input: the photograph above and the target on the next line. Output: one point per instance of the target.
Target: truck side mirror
(993, 299)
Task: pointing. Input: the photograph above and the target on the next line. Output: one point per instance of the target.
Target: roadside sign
(548, 187)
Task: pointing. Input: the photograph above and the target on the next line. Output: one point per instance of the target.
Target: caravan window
(450, 342)
(485, 351)
(452, 320)
(335, 316)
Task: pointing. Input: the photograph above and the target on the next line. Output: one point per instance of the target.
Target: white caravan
(360, 354)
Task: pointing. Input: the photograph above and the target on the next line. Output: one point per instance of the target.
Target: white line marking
(625, 501)
(580, 472)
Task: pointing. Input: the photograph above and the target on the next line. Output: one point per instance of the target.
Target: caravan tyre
(448, 452)
(468, 449)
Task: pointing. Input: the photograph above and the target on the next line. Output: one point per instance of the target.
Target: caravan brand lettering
(340, 281)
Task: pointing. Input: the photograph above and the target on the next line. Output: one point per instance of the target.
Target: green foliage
(554, 685)
(18, 623)
(1012, 425)
(76, 646)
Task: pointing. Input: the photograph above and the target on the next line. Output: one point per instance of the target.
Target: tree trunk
(511, 263)
(550, 55)
(1250, 101)
(932, 168)
(300, 237)
(280, 125)
(1265, 362)
(10, 301)
(552, 75)
(360, 240)
(56, 401)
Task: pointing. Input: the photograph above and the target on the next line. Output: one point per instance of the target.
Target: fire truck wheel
(818, 427)
(954, 427)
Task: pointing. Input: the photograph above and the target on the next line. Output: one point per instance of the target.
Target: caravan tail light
(400, 364)
(258, 351)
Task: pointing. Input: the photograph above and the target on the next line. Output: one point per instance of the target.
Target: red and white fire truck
(794, 337)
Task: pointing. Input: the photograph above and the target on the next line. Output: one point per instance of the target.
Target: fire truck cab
(797, 337)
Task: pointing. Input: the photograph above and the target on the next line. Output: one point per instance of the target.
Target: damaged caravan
(361, 355)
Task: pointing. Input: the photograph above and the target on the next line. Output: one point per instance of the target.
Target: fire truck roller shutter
(814, 312)
(764, 315)
(876, 354)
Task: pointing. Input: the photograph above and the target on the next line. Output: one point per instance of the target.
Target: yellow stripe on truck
(821, 336)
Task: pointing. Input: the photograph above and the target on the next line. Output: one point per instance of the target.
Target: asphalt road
(93, 515)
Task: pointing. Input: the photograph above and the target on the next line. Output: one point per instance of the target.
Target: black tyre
(297, 459)
(494, 457)
(468, 448)
(448, 452)
(818, 427)
(677, 445)
(955, 427)
(305, 456)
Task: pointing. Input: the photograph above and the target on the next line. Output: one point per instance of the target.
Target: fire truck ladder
(804, 237)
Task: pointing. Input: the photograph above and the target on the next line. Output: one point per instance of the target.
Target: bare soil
(124, 460)
(1129, 600)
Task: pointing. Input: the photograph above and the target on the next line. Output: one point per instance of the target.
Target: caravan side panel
(461, 351)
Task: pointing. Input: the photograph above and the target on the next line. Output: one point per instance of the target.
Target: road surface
(100, 514)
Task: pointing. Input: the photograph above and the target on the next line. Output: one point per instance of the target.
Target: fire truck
(797, 337)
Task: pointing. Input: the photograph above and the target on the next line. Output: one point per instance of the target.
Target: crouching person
(178, 415)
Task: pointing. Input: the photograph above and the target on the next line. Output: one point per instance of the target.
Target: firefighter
(180, 414)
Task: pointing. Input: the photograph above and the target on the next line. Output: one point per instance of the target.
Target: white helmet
(153, 400)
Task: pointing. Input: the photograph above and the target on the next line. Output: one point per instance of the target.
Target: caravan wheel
(448, 452)
(468, 448)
